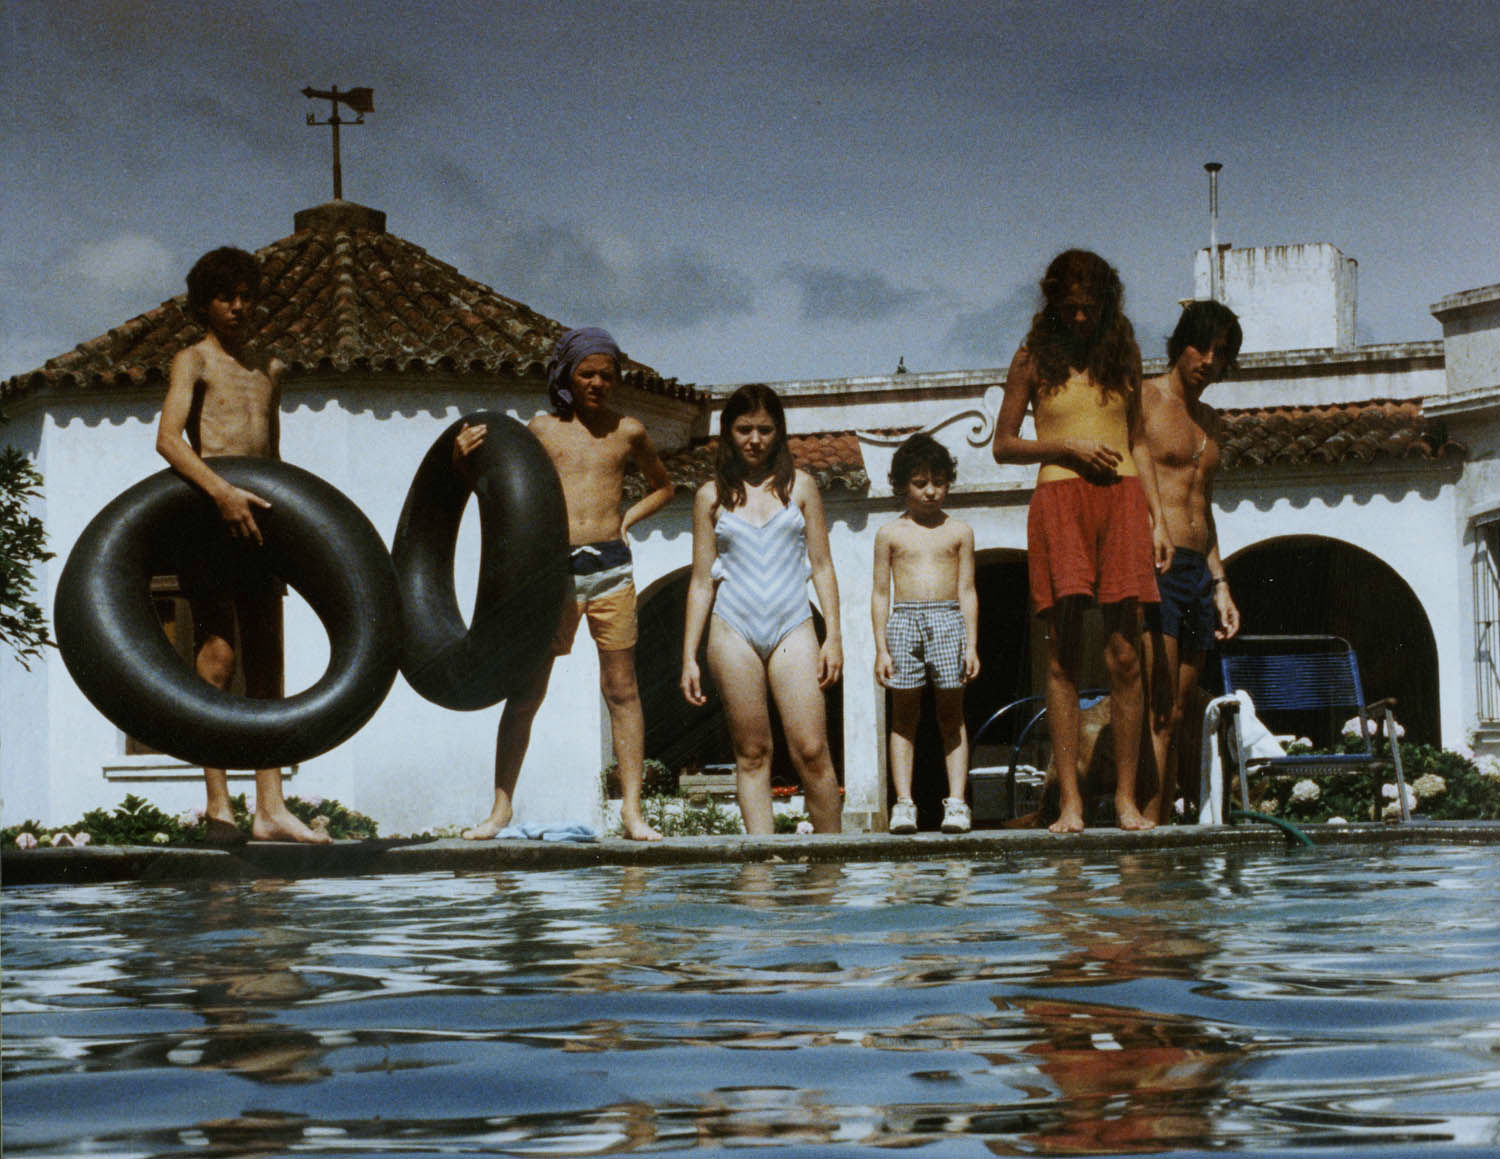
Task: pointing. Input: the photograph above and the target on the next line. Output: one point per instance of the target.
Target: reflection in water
(1135, 1005)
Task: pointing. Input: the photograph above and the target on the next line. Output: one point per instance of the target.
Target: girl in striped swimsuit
(758, 535)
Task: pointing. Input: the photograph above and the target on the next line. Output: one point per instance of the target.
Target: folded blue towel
(549, 833)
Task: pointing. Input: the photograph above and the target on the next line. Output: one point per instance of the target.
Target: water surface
(1312, 1002)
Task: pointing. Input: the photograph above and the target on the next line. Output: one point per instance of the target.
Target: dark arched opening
(1005, 674)
(685, 737)
(1304, 584)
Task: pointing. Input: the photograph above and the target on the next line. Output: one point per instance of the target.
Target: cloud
(830, 294)
(122, 264)
(576, 277)
(991, 334)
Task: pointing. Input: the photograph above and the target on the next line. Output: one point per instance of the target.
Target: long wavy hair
(729, 468)
(1113, 358)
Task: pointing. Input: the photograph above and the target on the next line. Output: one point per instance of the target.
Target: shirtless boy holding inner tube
(590, 445)
(224, 398)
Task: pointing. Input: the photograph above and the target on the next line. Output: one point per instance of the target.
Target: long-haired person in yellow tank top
(1094, 530)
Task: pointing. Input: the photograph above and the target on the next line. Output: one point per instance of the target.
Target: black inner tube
(523, 567)
(316, 540)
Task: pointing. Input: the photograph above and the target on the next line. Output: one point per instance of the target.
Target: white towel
(1255, 740)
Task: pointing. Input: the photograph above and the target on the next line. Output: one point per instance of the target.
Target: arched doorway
(1006, 673)
(1307, 584)
(681, 735)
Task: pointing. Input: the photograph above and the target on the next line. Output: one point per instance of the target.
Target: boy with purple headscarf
(590, 445)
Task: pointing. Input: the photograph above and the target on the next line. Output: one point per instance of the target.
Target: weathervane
(361, 101)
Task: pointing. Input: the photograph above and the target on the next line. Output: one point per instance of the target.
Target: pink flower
(26, 841)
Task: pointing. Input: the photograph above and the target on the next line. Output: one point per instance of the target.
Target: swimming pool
(1327, 1000)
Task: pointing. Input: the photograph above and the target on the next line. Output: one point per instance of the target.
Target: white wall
(1287, 297)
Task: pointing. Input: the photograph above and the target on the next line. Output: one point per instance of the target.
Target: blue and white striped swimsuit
(763, 572)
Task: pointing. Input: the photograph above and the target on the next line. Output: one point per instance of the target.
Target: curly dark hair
(1111, 353)
(1200, 324)
(219, 272)
(921, 452)
(729, 468)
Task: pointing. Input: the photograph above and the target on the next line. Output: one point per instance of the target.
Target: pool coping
(150, 864)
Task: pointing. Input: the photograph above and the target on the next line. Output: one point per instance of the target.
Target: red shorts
(1090, 539)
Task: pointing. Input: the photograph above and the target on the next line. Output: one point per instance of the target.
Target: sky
(765, 190)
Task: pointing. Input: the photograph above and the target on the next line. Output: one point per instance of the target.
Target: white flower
(1429, 785)
(1391, 812)
(1270, 805)
(159, 839)
(1380, 727)
(1305, 791)
(1390, 793)
(1304, 742)
(26, 841)
(1351, 727)
(81, 838)
(804, 827)
(1337, 821)
(1179, 806)
(1488, 766)
(60, 839)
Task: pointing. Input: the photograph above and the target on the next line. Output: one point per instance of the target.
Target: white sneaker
(903, 816)
(955, 815)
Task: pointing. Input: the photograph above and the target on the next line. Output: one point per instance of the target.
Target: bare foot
(635, 828)
(1071, 821)
(284, 826)
(1130, 818)
(486, 830)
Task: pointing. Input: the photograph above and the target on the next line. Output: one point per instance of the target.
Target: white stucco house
(1359, 494)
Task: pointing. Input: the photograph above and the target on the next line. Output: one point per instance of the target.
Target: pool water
(1315, 1001)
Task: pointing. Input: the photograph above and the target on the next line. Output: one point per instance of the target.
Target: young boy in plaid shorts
(932, 632)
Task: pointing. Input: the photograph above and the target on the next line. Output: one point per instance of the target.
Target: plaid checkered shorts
(927, 637)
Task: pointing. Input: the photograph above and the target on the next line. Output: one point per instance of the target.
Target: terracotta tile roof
(832, 458)
(342, 295)
(1338, 433)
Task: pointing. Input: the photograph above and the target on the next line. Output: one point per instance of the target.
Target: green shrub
(787, 822)
(657, 780)
(711, 819)
(138, 822)
(1446, 786)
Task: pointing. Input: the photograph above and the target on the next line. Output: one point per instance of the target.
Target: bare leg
(1064, 656)
(955, 734)
(1122, 658)
(215, 664)
(741, 680)
(1161, 664)
(627, 725)
(793, 675)
(906, 712)
(260, 641)
(511, 739)
(1186, 726)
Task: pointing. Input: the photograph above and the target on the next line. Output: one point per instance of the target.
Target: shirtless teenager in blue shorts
(1181, 434)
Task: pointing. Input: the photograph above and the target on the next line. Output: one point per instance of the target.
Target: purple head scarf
(572, 348)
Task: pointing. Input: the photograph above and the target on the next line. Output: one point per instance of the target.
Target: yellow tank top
(1080, 410)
